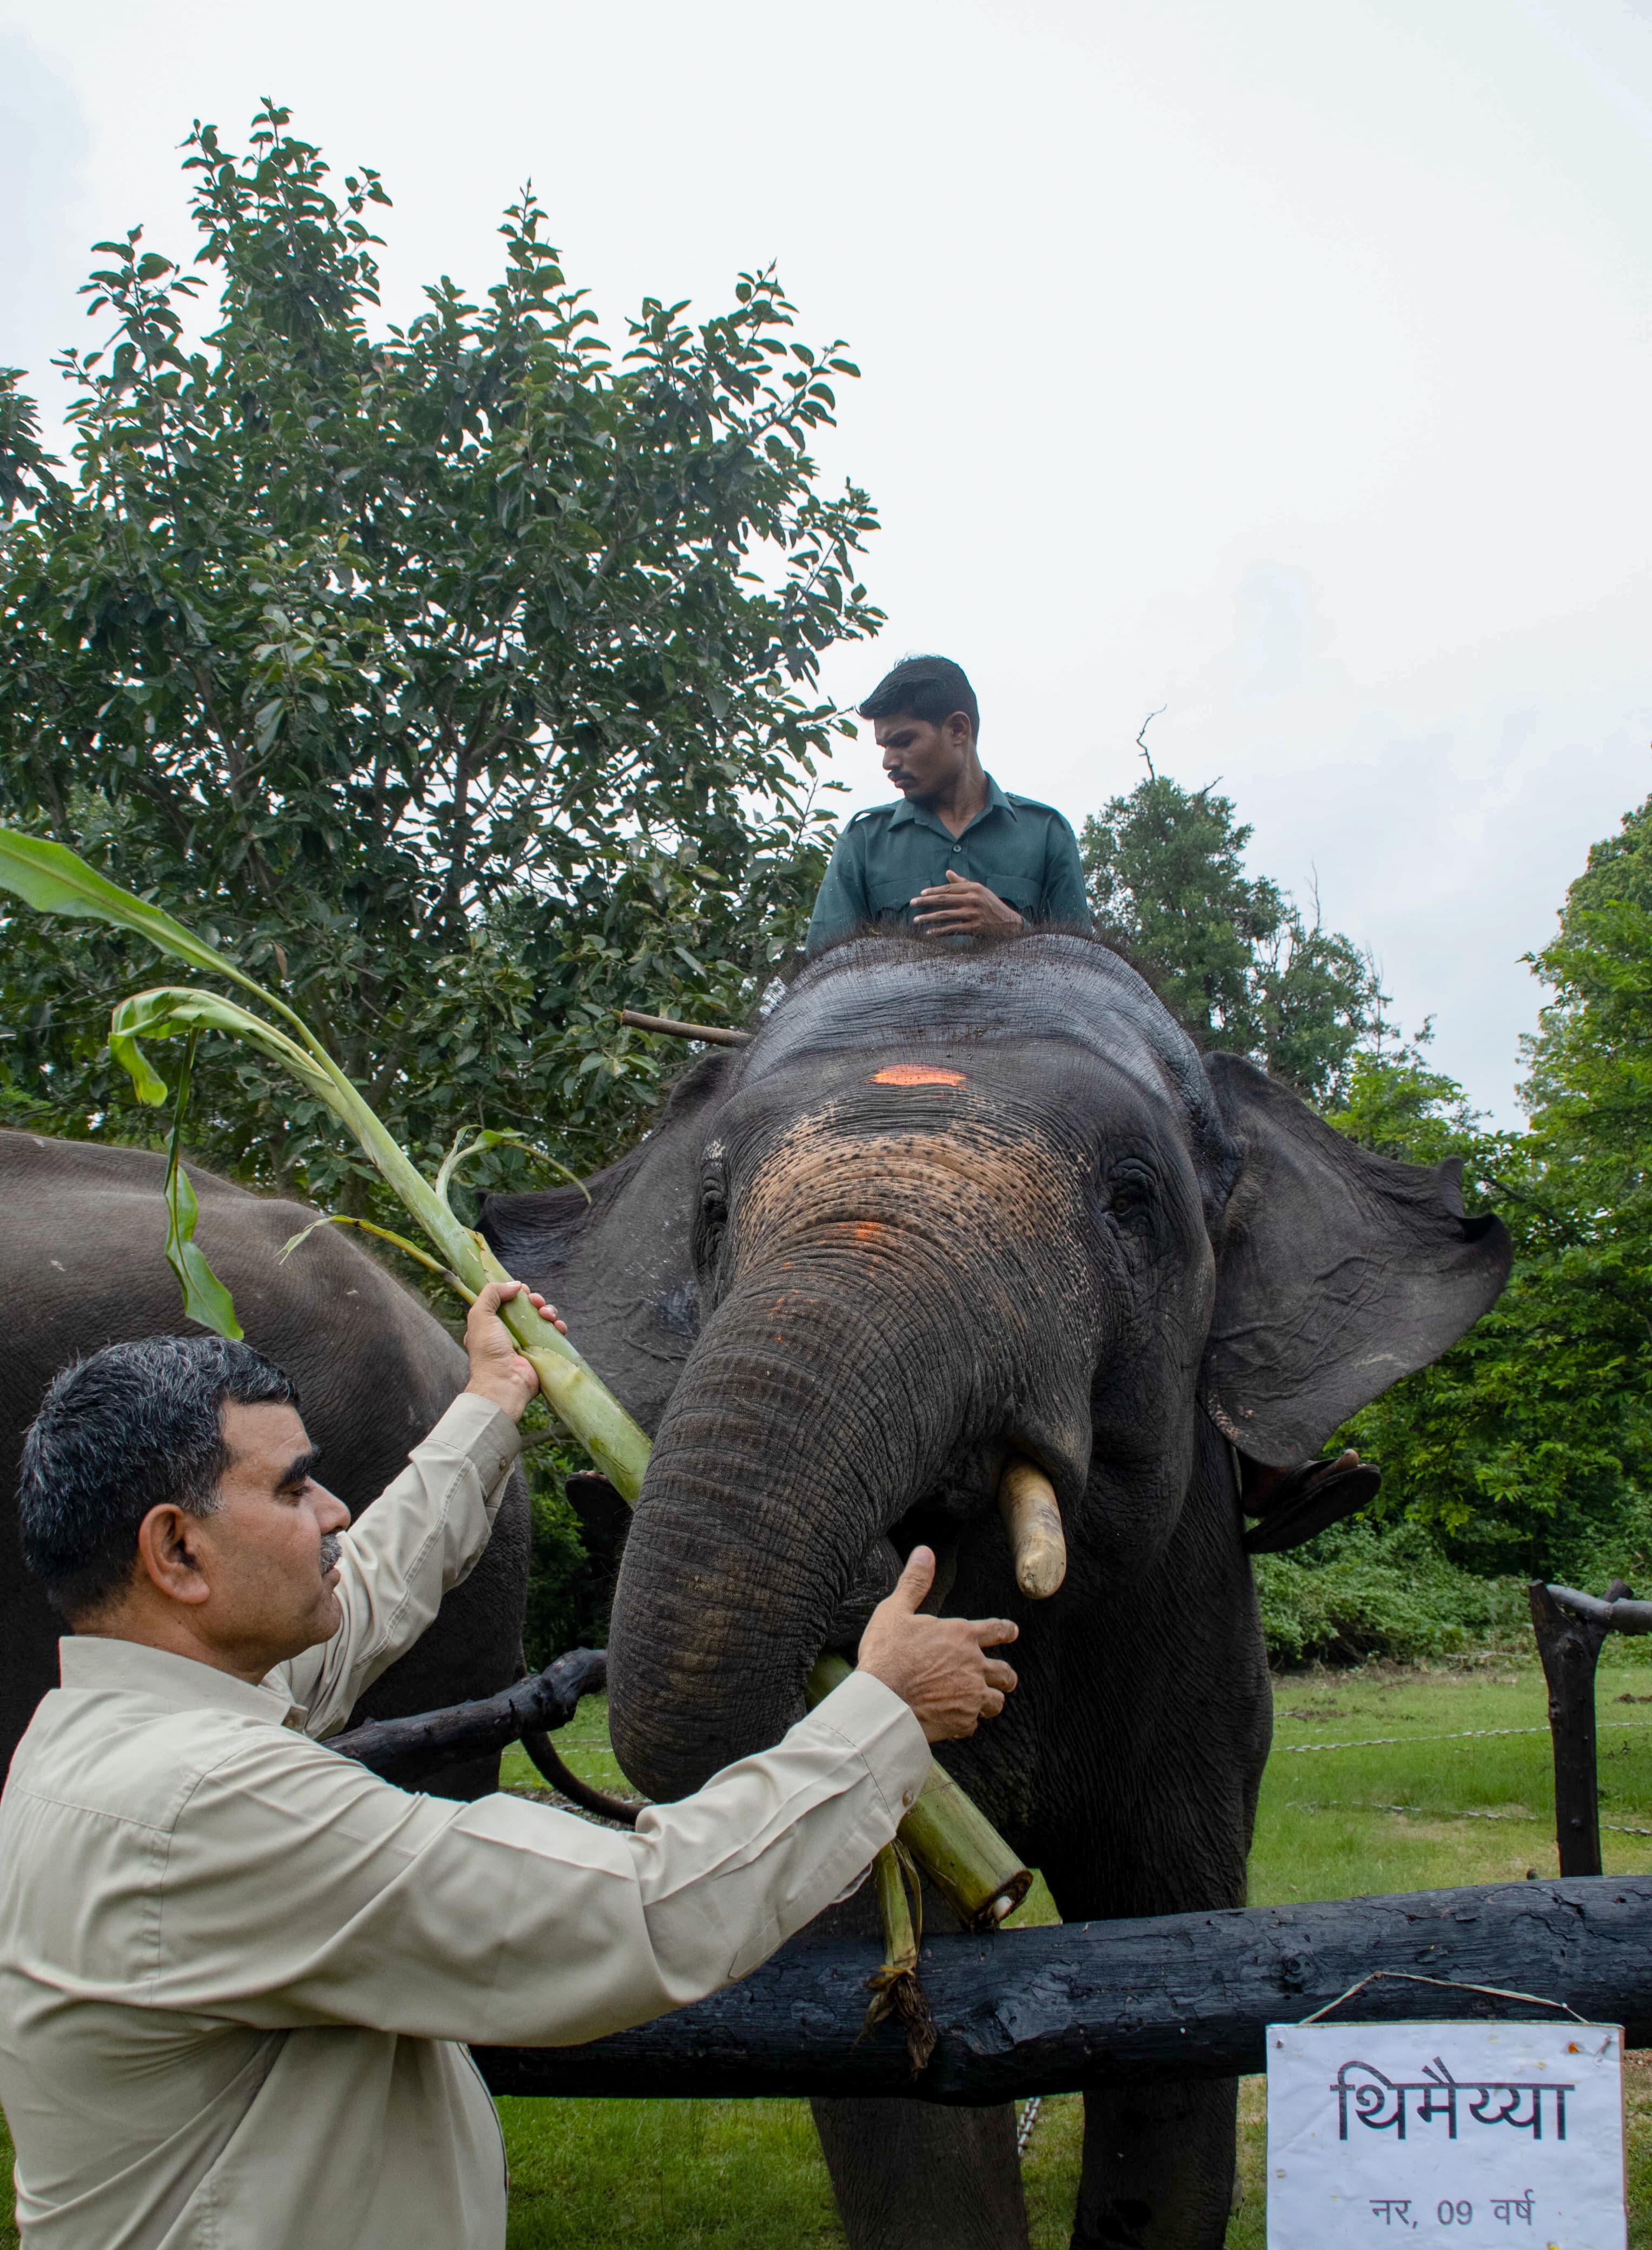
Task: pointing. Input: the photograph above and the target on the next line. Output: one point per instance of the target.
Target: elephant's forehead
(879, 1000)
(834, 1164)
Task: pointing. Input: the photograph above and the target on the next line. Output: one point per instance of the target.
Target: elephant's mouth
(1012, 1488)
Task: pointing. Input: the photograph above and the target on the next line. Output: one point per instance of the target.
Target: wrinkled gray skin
(83, 1264)
(839, 1302)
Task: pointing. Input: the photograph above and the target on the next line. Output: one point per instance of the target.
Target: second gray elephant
(948, 1206)
(83, 1230)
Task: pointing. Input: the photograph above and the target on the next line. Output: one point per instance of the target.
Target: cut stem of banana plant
(969, 1860)
(894, 1987)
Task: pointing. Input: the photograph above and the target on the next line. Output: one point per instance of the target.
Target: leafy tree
(1529, 1445)
(1590, 1089)
(1392, 1100)
(462, 676)
(1229, 952)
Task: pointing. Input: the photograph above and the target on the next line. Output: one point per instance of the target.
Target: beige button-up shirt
(237, 1970)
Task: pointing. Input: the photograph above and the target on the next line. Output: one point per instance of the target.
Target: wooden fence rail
(1051, 2011)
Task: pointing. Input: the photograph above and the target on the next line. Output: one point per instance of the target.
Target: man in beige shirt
(237, 1972)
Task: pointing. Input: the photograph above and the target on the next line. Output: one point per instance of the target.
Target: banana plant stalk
(947, 1834)
(894, 1987)
(572, 1390)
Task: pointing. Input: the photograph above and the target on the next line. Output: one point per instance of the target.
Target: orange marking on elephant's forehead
(915, 1073)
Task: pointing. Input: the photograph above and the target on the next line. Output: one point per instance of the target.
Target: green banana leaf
(205, 1298)
(54, 880)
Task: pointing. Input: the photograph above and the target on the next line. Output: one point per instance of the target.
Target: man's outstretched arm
(424, 1533)
(317, 1893)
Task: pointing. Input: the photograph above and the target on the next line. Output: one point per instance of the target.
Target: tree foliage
(1529, 1445)
(1229, 952)
(462, 677)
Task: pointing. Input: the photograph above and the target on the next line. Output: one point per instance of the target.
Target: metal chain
(1029, 2119)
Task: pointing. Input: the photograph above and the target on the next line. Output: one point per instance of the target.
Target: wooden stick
(1618, 1614)
(716, 1035)
(403, 1750)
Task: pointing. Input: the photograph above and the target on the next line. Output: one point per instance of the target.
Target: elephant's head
(952, 1207)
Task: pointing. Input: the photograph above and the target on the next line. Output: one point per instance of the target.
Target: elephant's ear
(1338, 1272)
(615, 1256)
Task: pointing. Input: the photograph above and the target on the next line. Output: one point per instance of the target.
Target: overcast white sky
(1289, 365)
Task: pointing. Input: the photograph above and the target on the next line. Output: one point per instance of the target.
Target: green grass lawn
(1414, 1814)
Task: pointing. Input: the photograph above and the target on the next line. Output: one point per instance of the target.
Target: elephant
(83, 1230)
(951, 1205)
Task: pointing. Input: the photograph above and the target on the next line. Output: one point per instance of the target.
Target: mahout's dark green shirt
(1022, 851)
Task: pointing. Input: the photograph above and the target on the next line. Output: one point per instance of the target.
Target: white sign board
(1473, 2136)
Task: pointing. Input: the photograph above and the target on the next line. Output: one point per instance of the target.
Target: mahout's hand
(960, 908)
(939, 1666)
(497, 1369)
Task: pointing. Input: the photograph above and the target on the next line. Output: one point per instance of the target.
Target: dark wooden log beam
(1052, 2010)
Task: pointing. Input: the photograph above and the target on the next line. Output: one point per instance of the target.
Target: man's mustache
(331, 1544)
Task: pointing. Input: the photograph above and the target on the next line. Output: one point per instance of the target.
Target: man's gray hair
(135, 1427)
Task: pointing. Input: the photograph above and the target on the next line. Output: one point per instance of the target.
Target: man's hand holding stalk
(937, 1666)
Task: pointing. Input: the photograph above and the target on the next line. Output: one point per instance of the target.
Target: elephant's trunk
(799, 1433)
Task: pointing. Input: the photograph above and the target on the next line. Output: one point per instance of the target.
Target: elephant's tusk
(1027, 1501)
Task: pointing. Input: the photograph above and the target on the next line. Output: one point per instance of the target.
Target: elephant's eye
(1130, 1201)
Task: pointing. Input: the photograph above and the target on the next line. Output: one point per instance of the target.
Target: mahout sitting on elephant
(83, 1230)
(945, 1208)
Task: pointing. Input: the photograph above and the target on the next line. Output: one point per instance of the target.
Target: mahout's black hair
(927, 687)
(134, 1426)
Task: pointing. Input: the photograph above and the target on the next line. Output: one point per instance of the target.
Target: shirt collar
(89, 1661)
(996, 802)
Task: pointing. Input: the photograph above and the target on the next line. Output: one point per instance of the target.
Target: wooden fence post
(1569, 1648)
